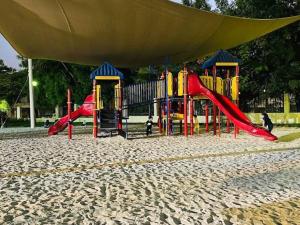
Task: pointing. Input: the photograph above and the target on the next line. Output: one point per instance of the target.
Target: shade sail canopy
(126, 33)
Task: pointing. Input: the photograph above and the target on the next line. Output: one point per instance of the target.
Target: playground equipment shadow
(289, 137)
(39, 132)
(281, 212)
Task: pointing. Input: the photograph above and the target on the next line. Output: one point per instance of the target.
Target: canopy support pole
(31, 95)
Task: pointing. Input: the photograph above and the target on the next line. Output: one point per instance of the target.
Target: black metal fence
(295, 104)
(259, 105)
(275, 105)
(143, 93)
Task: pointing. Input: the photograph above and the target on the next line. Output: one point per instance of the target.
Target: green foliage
(187, 2)
(269, 63)
(54, 78)
(223, 6)
(5, 69)
(4, 106)
(265, 9)
(199, 4)
(294, 85)
(11, 82)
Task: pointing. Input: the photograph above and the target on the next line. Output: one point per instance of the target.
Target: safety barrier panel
(144, 92)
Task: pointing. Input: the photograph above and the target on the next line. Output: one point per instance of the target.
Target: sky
(9, 55)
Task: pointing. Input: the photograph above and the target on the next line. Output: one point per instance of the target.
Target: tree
(199, 4)
(11, 82)
(223, 6)
(270, 63)
(5, 69)
(54, 78)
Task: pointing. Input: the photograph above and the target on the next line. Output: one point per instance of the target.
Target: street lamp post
(31, 95)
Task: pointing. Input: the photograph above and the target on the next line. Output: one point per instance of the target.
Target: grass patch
(289, 137)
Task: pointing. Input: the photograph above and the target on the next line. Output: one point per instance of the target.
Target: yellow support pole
(98, 97)
(287, 107)
(170, 84)
(180, 83)
(287, 103)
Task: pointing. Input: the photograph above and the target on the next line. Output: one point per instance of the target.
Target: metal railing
(143, 92)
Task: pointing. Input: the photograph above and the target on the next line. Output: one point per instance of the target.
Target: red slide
(234, 114)
(85, 110)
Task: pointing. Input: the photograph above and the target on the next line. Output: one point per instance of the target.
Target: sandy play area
(160, 180)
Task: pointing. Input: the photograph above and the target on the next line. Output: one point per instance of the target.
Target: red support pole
(206, 117)
(185, 94)
(159, 122)
(69, 115)
(214, 106)
(235, 131)
(237, 72)
(163, 117)
(95, 125)
(219, 120)
(228, 125)
(228, 95)
(169, 117)
(191, 116)
(160, 125)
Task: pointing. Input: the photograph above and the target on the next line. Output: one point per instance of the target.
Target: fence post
(287, 107)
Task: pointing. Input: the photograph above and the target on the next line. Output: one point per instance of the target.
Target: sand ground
(161, 180)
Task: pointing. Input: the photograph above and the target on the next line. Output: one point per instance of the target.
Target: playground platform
(156, 180)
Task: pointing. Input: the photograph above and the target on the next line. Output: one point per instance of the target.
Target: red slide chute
(85, 110)
(196, 87)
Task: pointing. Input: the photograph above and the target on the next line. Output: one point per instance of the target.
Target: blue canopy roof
(220, 56)
(106, 70)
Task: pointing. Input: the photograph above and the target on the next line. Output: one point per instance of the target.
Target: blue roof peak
(220, 56)
(106, 69)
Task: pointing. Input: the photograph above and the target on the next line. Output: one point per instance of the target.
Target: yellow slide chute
(127, 33)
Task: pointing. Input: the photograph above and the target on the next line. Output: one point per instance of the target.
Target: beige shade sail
(127, 33)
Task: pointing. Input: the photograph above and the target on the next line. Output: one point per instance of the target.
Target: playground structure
(175, 97)
(214, 79)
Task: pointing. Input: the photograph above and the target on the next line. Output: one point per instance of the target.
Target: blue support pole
(167, 101)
